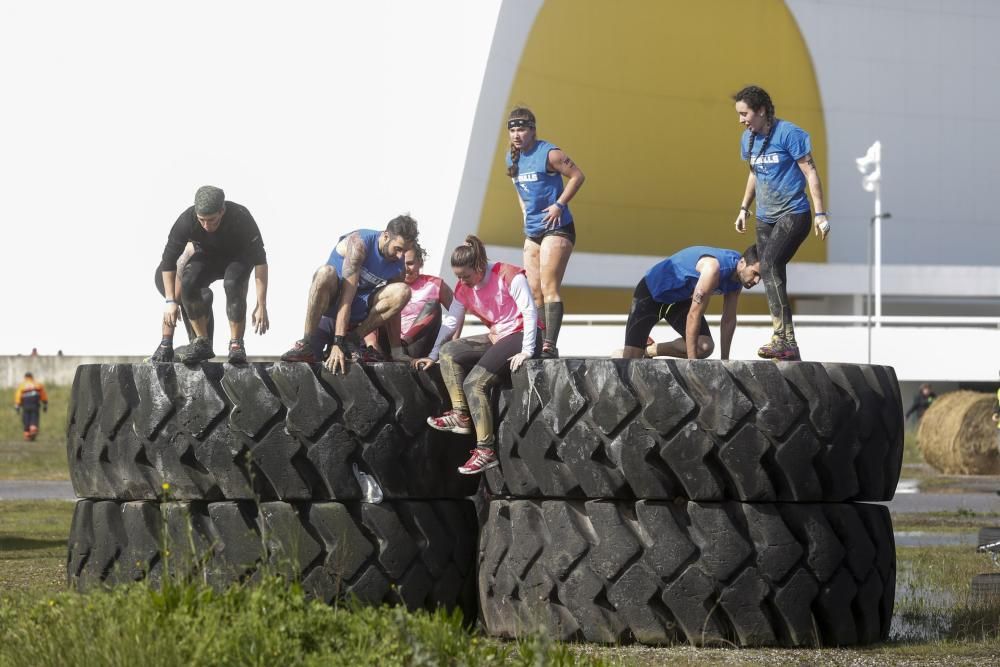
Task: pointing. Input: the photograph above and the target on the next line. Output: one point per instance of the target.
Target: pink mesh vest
(491, 301)
(423, 290)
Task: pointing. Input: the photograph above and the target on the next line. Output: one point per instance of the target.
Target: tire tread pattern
(269, 431)
(417, 553)
(706, 430)
(655, 572)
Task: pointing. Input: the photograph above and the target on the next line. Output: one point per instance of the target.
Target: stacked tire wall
(705, 502)
(237, 471)
(646, 501)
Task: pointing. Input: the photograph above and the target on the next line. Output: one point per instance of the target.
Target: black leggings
(647, 311)
(471, 367)
(200, 272)
(777, 244)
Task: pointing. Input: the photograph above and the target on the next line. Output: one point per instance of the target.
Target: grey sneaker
(200, 349)
(164, 354)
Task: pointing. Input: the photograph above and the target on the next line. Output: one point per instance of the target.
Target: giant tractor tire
(701, 430)
(656, 572)
(417, 553)
(265, 431)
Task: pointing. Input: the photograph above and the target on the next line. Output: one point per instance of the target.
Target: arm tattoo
(698, 296)
(355, 255)
(567, 161)
(810, 162)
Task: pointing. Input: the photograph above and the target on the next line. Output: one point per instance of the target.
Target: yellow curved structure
(640, 97)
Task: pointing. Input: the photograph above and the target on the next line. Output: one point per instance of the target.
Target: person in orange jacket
(29, 397)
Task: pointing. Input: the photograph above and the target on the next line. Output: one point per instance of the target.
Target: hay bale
(957, 435)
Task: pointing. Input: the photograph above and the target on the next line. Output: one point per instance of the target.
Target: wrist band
(819, 213)
(744, 208)
(171, 301)
(562, 207)
(339, 341)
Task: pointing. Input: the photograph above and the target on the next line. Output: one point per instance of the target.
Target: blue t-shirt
(674, 279)
(376, 271)
(538, 188)
(780, 182)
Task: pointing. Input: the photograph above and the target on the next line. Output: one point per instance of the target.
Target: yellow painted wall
(639, 95)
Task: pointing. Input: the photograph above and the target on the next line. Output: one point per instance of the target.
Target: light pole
(871, 167)
(873, 221)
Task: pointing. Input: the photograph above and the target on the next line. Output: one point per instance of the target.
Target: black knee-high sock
(553, 320)
(540, 314)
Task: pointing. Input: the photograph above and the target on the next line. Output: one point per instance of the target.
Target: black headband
(520, 122)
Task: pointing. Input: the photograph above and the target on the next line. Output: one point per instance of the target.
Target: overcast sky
(320, 117)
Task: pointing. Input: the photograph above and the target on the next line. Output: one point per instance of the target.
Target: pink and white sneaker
(483, 458)
(451, 421)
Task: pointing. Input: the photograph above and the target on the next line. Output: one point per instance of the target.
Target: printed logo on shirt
(770, 158)
(530, 176)
(372, 279)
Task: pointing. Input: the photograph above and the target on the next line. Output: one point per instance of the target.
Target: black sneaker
(237, 352)
(164, 354)
(301, 351)
(200, 349)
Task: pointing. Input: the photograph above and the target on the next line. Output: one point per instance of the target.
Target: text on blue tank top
(376, 270)
(674, 279)
(538, 188)
(780, 181)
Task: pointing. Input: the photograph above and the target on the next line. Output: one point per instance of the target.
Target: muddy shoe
(482, 459)
(237, 352)
(301, 351)
(370, 355)
(780, 350)
(549, 350)
(164, 354)
(199, 350)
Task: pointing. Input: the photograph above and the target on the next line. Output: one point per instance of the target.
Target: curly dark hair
(403, 226)
(756, 98)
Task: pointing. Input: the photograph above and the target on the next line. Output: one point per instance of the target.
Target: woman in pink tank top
(498, 294)
(421, 317)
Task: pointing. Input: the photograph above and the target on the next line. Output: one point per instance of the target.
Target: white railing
(837, 320)
(919, 348)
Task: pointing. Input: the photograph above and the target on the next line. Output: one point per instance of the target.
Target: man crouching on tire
(359, 289)
(678, 290)
(227, 244)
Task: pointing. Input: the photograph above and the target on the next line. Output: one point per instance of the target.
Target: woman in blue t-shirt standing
(537, 168)
(779, 154)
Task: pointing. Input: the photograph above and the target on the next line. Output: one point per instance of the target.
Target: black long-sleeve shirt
(237, 237)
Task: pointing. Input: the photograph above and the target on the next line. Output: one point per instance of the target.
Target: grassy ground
(43, 459)
(41, 623)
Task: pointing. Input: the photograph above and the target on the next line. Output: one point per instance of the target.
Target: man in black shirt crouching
(227, 244)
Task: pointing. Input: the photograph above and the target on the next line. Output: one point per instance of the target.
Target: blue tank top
(538, 188)
(674, 278)
(376, 270)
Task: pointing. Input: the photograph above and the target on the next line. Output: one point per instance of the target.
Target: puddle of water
(920, 538)
(920, 614)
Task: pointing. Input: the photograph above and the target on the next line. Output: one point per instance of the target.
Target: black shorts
(566, 231)
(647, 311)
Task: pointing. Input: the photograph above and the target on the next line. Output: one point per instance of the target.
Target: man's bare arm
(354, 259)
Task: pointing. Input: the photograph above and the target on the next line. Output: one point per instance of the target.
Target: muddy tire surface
(655, 572)
(267, 431)
(420, 554)
(702, 430)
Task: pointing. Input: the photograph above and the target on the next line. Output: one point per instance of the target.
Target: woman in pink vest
(498, 294)
(421, 317)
